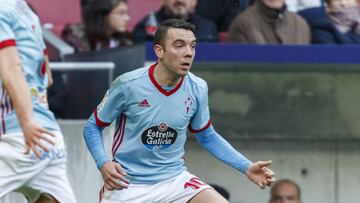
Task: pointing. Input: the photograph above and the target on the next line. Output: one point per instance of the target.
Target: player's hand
(114, 176)
(260, 174)
(36, 136)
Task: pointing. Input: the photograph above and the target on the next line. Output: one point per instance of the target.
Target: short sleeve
(201, 119)
(7, 37)
(111, 106)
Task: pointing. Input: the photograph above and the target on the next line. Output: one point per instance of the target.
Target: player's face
(119, 18)
(285, 193)
(274, 4)
(178, 51)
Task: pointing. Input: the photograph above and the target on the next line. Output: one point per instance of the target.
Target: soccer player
(153, 106)
(32, 151)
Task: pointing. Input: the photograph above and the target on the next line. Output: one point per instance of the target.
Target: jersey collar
(158, 86)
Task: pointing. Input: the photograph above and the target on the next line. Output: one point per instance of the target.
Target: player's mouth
(185, 64)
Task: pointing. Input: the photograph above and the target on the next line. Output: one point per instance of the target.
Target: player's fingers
(271, 180)
(264, 163)
(122, 184)
(117, 176)
(43, 130)
(117, 184)
(27, 149)
(268, 170)
(265, 183)
(47, 139)
(109, 187)
(120, 169)
(42, 145)
(261, 185)
(36, 152)
(32, 145)
(269, 174)
(125, 180)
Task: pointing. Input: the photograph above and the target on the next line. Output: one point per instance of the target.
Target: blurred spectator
(222, 12)
(105, 24)
(221, 190)
(344, 15)
(182, 9)
(338, 23)
(285, 191)
(268, 22)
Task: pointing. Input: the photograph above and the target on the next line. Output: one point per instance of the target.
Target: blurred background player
(32, 151)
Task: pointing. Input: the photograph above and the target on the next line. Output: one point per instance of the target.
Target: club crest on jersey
(159, 137)
(103, 102)
(188, 104)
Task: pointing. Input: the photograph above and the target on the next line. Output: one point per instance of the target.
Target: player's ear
(159, 51)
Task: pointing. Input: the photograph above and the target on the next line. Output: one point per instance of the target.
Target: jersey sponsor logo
(159, 137)
(144, 103)
(103, 101)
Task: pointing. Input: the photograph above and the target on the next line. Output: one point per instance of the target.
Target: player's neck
(164, 77)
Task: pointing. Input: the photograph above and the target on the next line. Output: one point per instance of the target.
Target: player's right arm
(108, 110)
(111, 171)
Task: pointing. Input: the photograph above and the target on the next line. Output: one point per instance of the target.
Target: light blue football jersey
(20, 27)
(151, 122)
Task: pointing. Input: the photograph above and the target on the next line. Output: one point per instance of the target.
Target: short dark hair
(164, 26)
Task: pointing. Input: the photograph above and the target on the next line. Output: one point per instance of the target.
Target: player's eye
(179, 45)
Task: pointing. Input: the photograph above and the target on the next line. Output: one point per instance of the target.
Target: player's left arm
(215, 144)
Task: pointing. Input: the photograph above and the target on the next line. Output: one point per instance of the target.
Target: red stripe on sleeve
(7, 43)
(99, 122)
(202, 129)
